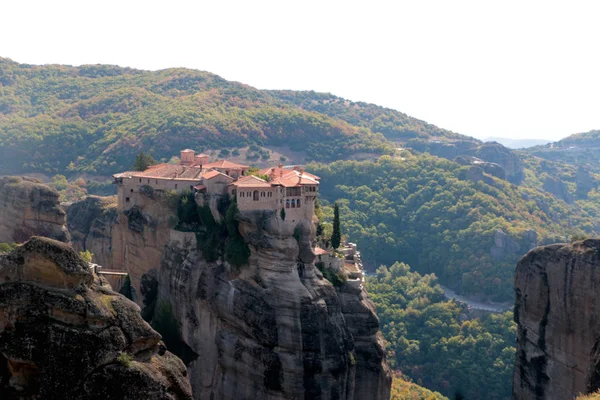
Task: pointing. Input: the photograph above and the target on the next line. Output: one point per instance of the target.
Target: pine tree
(143, 161)
(336, 236)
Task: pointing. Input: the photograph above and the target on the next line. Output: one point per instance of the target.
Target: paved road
(476, 305)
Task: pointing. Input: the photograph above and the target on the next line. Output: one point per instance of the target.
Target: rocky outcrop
(273, 328)
(90, 223)
(488, 167)
(506, 245)
(490, 152)
(29, 208)
(509, 160)
(584, 182)
(558, 188)
(64, 334)
(557, 308)
(132, 241)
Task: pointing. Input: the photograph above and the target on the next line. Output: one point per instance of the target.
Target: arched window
(287, 203)
(255, 195)
(293, 203)
(298, 203)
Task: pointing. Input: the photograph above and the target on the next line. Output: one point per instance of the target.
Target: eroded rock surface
(29, 208)
(64, 334)
(557, 310)
(275, 329)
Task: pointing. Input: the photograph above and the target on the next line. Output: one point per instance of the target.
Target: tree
(336, 236)
(282, 213)
(143, 161)
(86, 255)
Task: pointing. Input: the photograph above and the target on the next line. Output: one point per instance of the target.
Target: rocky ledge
(557, 310)
(64, 334)
(29, 208)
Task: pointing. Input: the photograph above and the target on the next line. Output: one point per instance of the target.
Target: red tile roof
(214, 173)
(251, 181)
(294, 178)
(279, 171)
(225, 164)
(166, 171)
(319, 251)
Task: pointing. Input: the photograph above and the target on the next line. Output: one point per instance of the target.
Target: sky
(515, 69)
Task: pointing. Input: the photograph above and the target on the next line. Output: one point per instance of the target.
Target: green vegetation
(336, 279)
(96, 119)
(336, 236)
(86, 255)
(424, 211)
(391, 123)
(143, 161)
(125, 360)
(431, 340)
(236, 250)
(405, 390)
(7, 247)
(127, 288)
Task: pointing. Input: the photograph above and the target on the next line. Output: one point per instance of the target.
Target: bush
(237, 252)
(7, 247)
(125, 359)
(336, 279)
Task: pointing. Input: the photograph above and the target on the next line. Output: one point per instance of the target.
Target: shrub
(86, 255)
(7, 247)
(237, 252)
(125, 359)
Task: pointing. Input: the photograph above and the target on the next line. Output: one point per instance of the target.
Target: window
(255, 198)
(287, 203)
(270, 194)
(140, 180)
(298, 203)
(241, 194)
(126, 199)
(175, 186)
(148, 181)
(293, 203)
(131, 190)
(262, 194)
(156, 181)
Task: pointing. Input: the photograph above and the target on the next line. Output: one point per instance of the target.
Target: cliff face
(28, 208)
(64, 334)
(133, 240)
(557, 310)
(276, 329)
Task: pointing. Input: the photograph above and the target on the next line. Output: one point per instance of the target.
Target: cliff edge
(64, 334)
(557, 310)
(29, 208)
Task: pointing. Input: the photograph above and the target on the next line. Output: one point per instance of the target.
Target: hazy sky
(519, 69)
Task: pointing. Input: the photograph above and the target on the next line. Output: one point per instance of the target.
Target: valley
(426, 207)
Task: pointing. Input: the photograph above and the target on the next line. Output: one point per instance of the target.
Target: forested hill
(95, 118)
(393, 124)
(578, 149)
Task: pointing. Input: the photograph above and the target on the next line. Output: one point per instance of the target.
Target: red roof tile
(251, 181)
(225, 164)
(168, 171)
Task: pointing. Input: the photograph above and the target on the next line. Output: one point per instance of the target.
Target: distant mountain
(581, 149)
(517, 143)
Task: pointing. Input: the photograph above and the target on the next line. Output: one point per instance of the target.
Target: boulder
(64, 334)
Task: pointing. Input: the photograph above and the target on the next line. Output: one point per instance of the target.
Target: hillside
(95, 118)
(394, 125)
(467, 227)
(577, 149)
